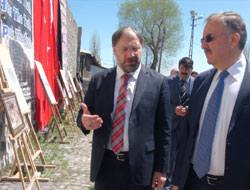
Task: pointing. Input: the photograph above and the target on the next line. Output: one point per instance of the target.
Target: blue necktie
(204, 148)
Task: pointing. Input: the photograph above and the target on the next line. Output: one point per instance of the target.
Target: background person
(194, 74)
(180, 90)
(174, 72)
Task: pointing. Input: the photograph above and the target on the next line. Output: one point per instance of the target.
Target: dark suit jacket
(175, 89)
(149, 123)
(237, 160)
(178, 122)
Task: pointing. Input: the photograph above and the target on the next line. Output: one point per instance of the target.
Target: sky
(100, 16)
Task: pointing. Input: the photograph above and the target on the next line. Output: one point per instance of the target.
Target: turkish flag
(45, 32)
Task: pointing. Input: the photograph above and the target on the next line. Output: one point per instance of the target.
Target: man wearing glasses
(128, 109)
(216, 152)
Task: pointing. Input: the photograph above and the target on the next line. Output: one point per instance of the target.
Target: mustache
(183, 73)
(132, 59)
(207, 50)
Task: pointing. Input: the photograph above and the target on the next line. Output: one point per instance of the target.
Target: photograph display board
(17, 36)
(65, 82)
(12, 79)
(72, 82)
(62, 90)
(78, 85)
(13, 112)
(45, 83)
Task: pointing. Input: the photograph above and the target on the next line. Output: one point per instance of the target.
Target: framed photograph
(78, 85)
(13, 113)
(12, 79)
(62, 91)
(66, 84)
(45, 83)
(72, 82)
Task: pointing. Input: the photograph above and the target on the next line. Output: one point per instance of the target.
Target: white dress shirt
(229, 96)
(130, 97)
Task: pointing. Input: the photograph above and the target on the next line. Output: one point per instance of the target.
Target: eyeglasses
(208, 38)
(132, 49)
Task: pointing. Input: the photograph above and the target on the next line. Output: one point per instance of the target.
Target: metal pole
(194, 18)
(192, 35)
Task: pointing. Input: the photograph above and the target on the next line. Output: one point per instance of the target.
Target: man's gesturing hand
(90, 122)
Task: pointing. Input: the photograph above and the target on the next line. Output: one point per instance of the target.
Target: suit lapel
(177, 86)
(198, 97)
(242, 98)
(140, 86)
(109, 85)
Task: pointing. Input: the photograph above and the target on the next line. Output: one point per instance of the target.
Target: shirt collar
(236, 69)
(184, 80)
(134, 75)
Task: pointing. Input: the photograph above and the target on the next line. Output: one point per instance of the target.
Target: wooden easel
(56, 121)
(75, 100)
(74, 90)
(23, 148)
(68, 91)
(35, 153)
(20, 147)
(38, 151)
(79, 90)
(66, 104)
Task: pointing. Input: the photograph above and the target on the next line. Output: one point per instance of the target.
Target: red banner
(45, 33)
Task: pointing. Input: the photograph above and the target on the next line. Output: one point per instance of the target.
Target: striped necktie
(204, 147)
(183, 96)
(119, 116)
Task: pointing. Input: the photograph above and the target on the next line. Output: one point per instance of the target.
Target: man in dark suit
(216, 154)
(128, 108)
(181, 85)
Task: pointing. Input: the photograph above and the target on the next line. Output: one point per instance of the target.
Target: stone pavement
(72, 166)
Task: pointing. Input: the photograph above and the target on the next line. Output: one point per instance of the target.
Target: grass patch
(5, 171)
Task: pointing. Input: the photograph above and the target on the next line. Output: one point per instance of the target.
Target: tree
(247, 51)
(158, 21)
(95, 46)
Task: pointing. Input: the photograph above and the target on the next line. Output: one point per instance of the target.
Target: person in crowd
(216, 154)
(194, 74)
(174, 72)
(128, 108)
(180, 90)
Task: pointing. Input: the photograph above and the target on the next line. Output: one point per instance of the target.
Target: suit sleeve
(163, 130)
(89, 101)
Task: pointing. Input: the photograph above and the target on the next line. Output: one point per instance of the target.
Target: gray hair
(234, 22)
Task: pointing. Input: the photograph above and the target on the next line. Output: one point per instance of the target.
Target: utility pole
(193, 20)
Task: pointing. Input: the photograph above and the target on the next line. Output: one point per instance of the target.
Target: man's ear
(235, 39)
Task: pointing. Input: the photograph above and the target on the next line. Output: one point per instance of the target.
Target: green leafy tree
(159, 22)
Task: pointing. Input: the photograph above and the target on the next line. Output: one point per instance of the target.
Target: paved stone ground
(72, 166)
